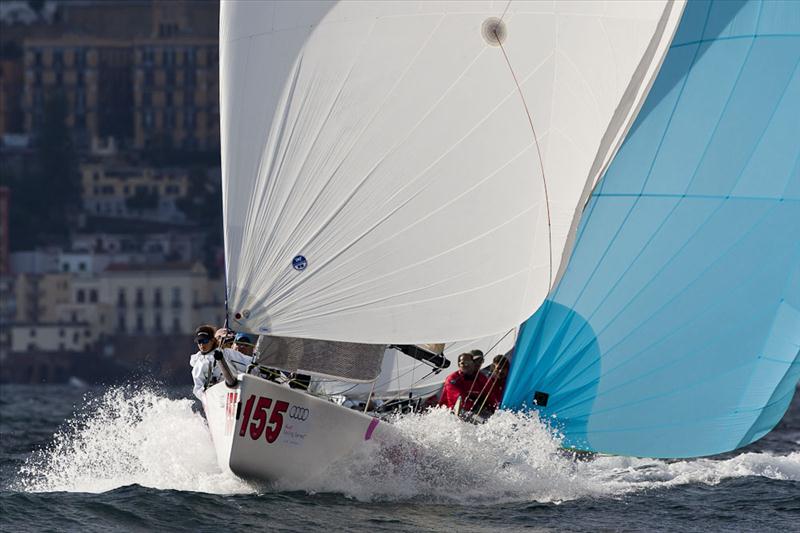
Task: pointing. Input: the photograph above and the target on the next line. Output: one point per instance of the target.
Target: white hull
(264, 431)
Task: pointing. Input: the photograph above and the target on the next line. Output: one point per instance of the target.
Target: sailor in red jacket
(497, 383)
(467, 383)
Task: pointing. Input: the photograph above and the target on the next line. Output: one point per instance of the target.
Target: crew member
(466, 383)
(497, 382)
(243, 344)
(205, 371)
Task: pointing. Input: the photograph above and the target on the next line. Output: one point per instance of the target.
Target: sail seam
(675, 207)
(644, 184)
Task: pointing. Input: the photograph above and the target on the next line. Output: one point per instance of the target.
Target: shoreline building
(143, 72)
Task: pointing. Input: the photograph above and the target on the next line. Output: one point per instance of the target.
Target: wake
(139, 436)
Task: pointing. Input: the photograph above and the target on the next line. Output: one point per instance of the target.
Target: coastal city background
(110, 200)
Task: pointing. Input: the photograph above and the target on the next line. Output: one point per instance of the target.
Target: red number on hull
(260, 418)
(260, 424)
(246, 418)
(276, 419)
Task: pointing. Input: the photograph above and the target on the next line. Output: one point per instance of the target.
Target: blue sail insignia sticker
(299, 262)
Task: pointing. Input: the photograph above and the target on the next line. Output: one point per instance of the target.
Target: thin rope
(366, 404)
(539, 153)
(505, 10)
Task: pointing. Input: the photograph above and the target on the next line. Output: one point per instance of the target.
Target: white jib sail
(384, 163)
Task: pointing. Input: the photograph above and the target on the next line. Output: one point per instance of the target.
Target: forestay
(675, 329)
(383, 163)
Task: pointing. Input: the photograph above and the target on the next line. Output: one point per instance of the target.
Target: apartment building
(55, 337)
(93, 77)
(168, 298)
(11, 83)
(176, 93)
(153, 81)
(73, 312)
(133, 191)
(37, 296)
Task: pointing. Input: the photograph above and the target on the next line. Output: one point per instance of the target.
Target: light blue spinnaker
(675, 330)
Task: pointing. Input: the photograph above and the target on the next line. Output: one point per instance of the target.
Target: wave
(129, 436)
(133, 436)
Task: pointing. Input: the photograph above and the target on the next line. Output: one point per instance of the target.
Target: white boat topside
(266, 432)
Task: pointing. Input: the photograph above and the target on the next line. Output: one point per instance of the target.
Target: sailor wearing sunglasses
(205, 371)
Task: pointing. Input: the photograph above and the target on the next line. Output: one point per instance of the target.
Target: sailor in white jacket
(205, 371)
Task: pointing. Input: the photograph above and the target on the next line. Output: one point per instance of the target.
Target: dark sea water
(139, 459)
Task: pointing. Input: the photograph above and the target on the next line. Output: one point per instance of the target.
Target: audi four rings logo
(299, 413)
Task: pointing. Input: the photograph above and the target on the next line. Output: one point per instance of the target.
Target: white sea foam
(141, 437)
(130, 437)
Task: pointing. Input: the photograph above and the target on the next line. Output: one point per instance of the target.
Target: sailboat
(398, 174)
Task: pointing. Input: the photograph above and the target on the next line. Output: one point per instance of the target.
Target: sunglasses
(203, 341)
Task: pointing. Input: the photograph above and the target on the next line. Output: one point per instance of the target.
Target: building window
(176, 296)
(121, 298)
(32, 332)
(82, 266)
(61, 332)
(157, 297)
(121, 323)
(93, 295)
(139, 297)
(139, 322)
(76, 337)
(157, 322)
(81, 297)
(176, 325)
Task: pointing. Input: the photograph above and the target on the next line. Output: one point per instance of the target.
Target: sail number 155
(270, 424)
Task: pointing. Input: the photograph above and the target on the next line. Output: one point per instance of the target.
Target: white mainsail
(394, 174)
